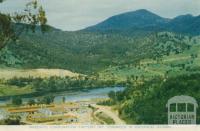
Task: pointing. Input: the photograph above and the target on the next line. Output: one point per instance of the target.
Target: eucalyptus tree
(13, 25)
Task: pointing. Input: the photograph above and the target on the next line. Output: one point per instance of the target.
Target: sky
(70, 15)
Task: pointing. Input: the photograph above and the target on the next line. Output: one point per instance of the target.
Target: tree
(16, 101)
(31, 102)
(48, 99)
(112, 95)
(12, 120)
(12, 26)
(63, 99)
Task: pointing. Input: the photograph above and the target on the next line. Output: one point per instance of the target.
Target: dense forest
(146, 103)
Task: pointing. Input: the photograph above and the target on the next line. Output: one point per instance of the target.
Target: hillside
(168, 65)
(146, 103)
(107, 60)
(88, 52)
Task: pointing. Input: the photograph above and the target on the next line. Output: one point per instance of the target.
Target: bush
(16, 101)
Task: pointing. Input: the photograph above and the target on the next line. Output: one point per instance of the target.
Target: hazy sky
(78, 14)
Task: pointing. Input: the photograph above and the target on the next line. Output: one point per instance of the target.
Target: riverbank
(33, 87)
(70, 95)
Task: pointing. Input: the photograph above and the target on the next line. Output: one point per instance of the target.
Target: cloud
(78, 14)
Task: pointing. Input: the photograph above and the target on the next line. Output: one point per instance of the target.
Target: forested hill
(146, 103)
(88, 52)
(143, 21)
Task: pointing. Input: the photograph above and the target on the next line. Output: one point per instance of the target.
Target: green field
(7, 90)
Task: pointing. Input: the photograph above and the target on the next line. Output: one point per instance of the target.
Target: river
(76, 95)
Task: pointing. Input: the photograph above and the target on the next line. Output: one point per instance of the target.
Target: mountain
(185, 24)
(143, 21)
(139, 19)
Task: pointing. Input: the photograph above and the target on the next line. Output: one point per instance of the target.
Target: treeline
(56, 84)
(48, 99)
(146, 103)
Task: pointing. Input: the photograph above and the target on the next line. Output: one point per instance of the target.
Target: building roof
(27, 108)
(54, 109)
(72, 106)
(70, 115)
(69, 105)
(40, 115)
(21, 110)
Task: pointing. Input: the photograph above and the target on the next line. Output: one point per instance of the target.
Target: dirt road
(109, 112)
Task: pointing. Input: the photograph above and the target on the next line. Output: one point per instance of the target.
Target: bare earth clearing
(42, 73)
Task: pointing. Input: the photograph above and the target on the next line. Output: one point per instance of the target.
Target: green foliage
(16, 101)
(109, 102)
(33, 15)
(146, 103)
(63, 99)
(46, 99)
(20, 82)
(31, 102)
(56, 84)
(12, 120)
(91, 52)
(7, 57)
(102, 116)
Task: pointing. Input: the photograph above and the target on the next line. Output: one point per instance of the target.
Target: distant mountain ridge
(145, 21)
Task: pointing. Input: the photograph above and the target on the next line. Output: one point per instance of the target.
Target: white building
(52, 111)
(3, 114)
(45, 111)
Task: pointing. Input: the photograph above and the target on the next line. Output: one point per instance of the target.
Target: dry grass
(42, 73)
